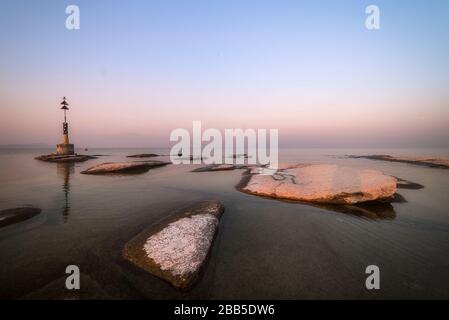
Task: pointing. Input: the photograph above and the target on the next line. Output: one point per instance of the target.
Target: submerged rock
(177, 250)
(191, 157)
(433, 162)
(65, 158)
(216, 167)
(405, 184)
(10, 216)
(321, 184)
(123, 167)
(224, 167)
(143, 155)
(244, 155)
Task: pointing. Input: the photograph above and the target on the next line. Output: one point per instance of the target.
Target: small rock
(143, 155)
(225, 167)
(433, 162)
(235, 156)
(10, 216)
(216, 167)
(123, 167)
(191, 157)
(177, 250)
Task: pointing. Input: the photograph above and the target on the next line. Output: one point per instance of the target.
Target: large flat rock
(10, 216)
(123, 167)
(433, 162)
(177, 250)
(65, 158)
(321, 184)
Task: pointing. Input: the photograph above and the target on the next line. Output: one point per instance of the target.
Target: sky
(136, 70)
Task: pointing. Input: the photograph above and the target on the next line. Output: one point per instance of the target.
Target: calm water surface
(264, 249)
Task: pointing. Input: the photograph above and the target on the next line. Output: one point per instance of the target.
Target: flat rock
(224, 167)
(433, 162)
(191, 157)
(321, 184)
(65, 158)
(10, 216)
(143, 155)
(177, 249)
(244, 155)
(216, 167)
(123, 167)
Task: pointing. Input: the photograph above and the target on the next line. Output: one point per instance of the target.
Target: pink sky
(117, 118)
(134, 72)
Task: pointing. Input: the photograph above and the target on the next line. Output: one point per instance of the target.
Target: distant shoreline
(26, 146)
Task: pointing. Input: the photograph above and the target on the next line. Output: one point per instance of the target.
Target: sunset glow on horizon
(137, 70)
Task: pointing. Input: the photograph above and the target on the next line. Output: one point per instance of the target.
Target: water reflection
(371, 210)
(64, 170)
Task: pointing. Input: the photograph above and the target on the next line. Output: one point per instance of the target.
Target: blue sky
(138, 69)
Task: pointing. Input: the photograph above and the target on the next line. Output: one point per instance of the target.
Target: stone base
(65, 149)
(65, 158)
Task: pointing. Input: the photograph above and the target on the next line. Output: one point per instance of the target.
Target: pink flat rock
(322, 184)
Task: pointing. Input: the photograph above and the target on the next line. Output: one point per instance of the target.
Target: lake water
(264, 248)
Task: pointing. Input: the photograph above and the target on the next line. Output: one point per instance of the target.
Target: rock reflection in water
(370, 210)
(64, 170)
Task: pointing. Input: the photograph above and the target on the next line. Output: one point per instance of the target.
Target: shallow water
(264, 248)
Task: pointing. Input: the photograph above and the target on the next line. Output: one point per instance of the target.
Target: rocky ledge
(65, 158)
(433, 162)
(321, 184)
(10, 216)
(143, 155)
(177, 249)
(123, 167)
